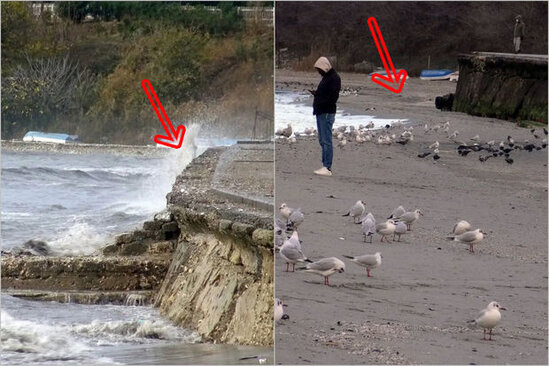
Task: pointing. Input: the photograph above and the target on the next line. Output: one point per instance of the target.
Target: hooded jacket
(519, 28)
(327, 92)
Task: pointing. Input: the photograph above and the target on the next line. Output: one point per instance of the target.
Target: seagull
(436, 156)
(279, 236)
(469, 237)
(385, 229)
(325, 267)
(488, 318)
(295, 219)
(370, 261)
(409, 218)
(279, 310)
(292, 254)
(461, 227)
(287, 131)
(434, 145)
(356, 211)
(400, 228)
(453, 135)
(285, 211)
(368, 226)
(397, 212)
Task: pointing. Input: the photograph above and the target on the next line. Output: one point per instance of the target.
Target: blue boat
(58, 138)
(435, 74)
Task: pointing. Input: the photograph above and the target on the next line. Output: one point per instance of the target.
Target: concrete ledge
(140, 298)
(252, 202)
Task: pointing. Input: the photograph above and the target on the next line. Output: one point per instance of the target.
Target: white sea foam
(296, 109)
(136, 330)
(50, 342)
(79, 239)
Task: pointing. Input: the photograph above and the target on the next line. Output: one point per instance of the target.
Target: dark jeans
(324, 123)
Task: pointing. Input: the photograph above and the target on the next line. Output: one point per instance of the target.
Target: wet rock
(152, 225)
(135, 248)
(170, 230)
(161, 247)
(37, 247)
(225, 225)
(242, 229)
(263, 237)
(111, 249)
(123, 238)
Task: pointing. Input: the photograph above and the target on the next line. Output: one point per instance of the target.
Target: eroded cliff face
(503, 86)
(220, 281)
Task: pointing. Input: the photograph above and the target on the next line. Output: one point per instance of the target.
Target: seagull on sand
(409, 218)
(385, 229)
(279, 310)
(461, 227)
(370, 261)
(285, 211)
(325, 267)
(400, 228)
(291, 253)
(356, 211)
(295, 219)
(488, 318)
(397, 212)
(469, 237)
(368, 226)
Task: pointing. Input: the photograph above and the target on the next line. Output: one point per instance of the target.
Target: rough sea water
(296, 109)
(77, 203)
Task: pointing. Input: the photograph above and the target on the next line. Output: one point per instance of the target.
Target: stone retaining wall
(505, 86)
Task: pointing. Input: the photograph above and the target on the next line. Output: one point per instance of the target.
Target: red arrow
(393, 81)
(174, 137)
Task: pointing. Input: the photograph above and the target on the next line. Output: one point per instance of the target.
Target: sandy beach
(415, 307)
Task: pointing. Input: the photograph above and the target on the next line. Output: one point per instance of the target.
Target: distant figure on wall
(518, 34)
(324, 108)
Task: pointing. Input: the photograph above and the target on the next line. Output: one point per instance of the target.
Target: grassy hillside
(412, 31)
(83, 76)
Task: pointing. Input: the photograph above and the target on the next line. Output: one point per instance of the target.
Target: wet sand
(416, 306)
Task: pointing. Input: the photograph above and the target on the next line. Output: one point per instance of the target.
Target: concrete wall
(220, 281)
(505, 86)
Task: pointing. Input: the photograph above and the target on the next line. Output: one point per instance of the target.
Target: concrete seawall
(501, 85)
(220, 281)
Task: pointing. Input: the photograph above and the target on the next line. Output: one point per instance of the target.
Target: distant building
(39, 7)
(58, 138)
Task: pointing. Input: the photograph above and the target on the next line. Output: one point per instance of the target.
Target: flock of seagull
(400, 221)
(398, 132)
(288, 244)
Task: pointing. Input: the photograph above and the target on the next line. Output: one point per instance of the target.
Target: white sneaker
(323, 171)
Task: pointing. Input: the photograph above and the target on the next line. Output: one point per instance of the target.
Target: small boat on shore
(57, 138)
(435, 74)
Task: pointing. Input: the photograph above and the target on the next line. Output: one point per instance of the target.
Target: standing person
(518, 34)
(324, 108)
